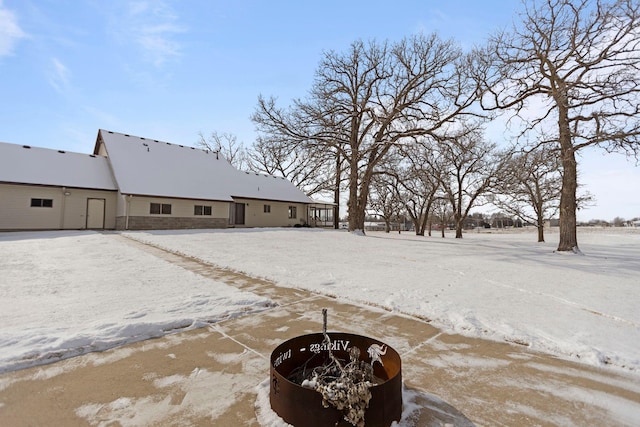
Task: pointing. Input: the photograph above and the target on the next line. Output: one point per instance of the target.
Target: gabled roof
(251, 185)
(23, 164)
(149, 167)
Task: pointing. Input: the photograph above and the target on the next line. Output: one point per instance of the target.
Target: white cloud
(59, 75)
(153, 27)
(10, 31)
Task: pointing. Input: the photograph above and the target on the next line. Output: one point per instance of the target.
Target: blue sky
(171, 69)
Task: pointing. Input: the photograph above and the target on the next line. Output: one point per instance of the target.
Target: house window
(267, 208)
(160, 208)
(41, 203)
(293, 212)
(202, 210)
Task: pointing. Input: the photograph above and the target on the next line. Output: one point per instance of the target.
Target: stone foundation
(169, 223)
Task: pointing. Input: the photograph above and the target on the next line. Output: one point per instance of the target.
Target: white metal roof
(144, 166)
(23, 164)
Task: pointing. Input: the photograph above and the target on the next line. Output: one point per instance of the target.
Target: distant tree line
(401, 126)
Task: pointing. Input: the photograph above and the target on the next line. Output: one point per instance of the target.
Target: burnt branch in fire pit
(343, 384)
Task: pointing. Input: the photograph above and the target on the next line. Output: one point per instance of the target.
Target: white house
(131, 182)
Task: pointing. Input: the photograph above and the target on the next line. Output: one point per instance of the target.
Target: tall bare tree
(371, 99)
(417, 184)
(308, 133)
(530, 186)
(578, 61)
(467, 167)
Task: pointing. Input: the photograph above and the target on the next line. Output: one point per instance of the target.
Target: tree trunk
(568, 232)
(459, 222)
(540, 225)
(423, 223)
(426, 222)
(336, 193)
(356, 221)
(459, 230)
(416, 224)
(358, 196)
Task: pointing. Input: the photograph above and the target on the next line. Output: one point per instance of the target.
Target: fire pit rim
(386, 400)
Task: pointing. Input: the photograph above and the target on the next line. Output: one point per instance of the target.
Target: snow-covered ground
(69, 293)
(66, 293)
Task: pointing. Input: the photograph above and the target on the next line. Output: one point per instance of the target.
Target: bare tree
(227, 145)
(371, 99)
(385, 200)
(467, 167)
(306, 132)
(307, 168)
(417, 184)
(578, 60)
(442, 214)
(529, 187)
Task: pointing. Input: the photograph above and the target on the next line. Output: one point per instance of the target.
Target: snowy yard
(67, 293)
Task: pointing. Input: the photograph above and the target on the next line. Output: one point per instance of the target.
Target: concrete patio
(212, 376)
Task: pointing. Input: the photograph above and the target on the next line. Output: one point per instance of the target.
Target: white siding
(139, 206)
(278, 217)
(68, 211)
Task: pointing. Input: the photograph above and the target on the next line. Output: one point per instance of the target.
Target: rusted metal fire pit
(301, 406)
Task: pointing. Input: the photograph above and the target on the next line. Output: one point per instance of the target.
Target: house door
(239, 214)
(95, 213)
